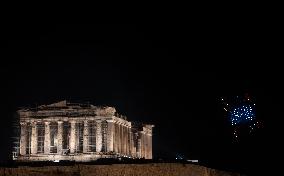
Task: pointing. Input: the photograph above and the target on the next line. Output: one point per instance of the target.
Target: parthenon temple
(79, 132)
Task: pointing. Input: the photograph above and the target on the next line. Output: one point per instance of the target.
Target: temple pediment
(57, 104)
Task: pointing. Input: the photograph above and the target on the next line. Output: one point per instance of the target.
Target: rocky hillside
(155, 169)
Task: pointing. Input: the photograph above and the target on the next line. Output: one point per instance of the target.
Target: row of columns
(72, 140)
(144, 146)
(130, 143)
(33, 138)
(120, 139)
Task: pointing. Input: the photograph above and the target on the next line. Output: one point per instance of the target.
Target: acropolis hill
(150, 169)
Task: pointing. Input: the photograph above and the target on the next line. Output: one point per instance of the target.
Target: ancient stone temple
(80, 132)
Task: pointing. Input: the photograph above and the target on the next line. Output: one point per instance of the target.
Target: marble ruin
(79, 132)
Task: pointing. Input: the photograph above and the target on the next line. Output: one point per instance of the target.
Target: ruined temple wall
(117, 137)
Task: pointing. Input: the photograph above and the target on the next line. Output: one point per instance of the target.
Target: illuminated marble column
(99, 136)
(46, 137)
(150, 147)
(142, 145)
(139, 143)
(116, 137)
(132, 151)
(146, 146)
(34, 138)
(135, 143)
(125, 140)
(85, 137)
(59, 137)
(121, 138)
(23, 138)
(72, 141)
(128, 142)
(110, 135)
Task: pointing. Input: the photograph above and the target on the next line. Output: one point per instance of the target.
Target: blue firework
(243, 114)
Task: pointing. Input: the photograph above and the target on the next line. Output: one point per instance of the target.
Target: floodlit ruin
(79, 132)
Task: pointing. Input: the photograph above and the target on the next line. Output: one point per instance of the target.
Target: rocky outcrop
(150, 169)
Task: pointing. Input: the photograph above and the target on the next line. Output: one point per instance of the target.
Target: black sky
(167, 74)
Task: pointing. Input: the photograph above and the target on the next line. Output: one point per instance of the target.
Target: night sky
(170, 75)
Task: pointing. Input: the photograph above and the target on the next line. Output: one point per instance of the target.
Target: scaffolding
(16, 137)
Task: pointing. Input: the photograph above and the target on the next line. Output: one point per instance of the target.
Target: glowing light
(242, 114)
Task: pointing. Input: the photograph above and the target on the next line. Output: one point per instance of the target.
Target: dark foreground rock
(155, 169)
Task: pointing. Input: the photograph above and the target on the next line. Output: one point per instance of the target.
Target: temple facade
(79, 132)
